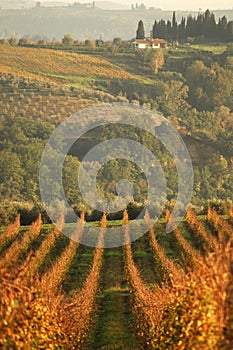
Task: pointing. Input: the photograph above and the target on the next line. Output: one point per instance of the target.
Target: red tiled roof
(161, 41)
(141, 41)
(150, 41)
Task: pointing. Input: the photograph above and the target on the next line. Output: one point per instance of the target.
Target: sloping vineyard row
(56, 319)
(208, 241)
(18, 247)
(189, 307)
(10, 233)
(190, 312)
(77, 313)
(224, 229)
(144, 304)
(167, 268)
(35, 260)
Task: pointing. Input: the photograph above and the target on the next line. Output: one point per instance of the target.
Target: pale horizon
(166, 4)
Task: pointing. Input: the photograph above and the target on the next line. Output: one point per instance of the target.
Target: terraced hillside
(160, 292)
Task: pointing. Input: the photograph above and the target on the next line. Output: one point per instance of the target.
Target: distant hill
(16, 4)
(82, 23)
(54, 3)
(109, 5)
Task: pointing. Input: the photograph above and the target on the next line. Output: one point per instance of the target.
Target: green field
(216, 49)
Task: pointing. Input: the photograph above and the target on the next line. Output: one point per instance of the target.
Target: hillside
(41, 87)
(57, 65)
(149, 289)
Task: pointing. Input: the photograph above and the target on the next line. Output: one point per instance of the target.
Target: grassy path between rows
(113, 326)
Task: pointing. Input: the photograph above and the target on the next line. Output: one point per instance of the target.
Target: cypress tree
(182, 30)
(213, 26)
(169, 30)
(154, 30)
(222, 29)
(163, 33)
(174, 22)
(209, 25)
(190, 26)
(161, 30)
(199, 24)
(140, 34)
(230, 31)
(174, 26)
(203, 25)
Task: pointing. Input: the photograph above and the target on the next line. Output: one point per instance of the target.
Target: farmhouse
(149, 43)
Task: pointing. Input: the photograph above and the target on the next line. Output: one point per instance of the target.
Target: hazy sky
(169, 4)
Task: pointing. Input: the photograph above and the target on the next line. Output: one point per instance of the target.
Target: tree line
(203, 27)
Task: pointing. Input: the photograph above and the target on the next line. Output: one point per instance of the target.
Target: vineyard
(40, 100)
(36, 99)
(57, 65)
(51, 85)
(163, 291)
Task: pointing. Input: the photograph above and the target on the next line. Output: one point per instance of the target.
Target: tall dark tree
(182, 30)
(209, 25)
(169, 30)
(163, 29)
(207, 14)
(160, 29)
(204, 25)
(230, 31)
(154, 30)
(222, 29)
(190, 27)
(174, 26)
(199, 24)
(213, 26)
(140, 34)
(174, 22)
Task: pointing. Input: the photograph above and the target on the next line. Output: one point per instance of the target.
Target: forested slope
(193, 90)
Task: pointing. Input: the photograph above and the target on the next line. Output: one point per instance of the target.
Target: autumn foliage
(189, 307)
(191, 312)
(36, 309)
(11, 232)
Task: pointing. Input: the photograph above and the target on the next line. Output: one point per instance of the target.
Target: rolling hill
(57, 65)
